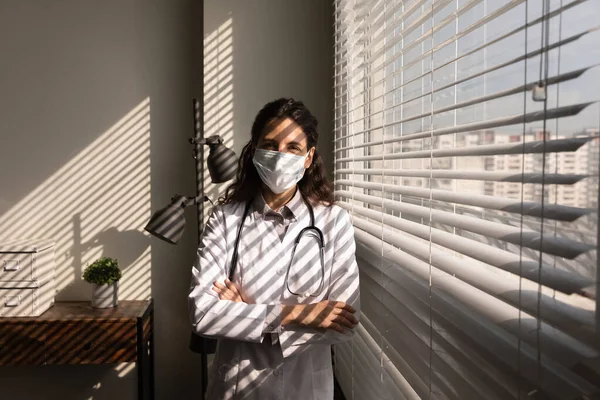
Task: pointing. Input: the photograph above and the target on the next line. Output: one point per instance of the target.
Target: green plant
(104, 271)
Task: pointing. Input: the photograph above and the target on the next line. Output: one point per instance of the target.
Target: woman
(293, 291)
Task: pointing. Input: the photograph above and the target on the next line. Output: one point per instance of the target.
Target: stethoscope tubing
(311, 227)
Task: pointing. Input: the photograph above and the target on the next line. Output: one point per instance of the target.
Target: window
(471, 289)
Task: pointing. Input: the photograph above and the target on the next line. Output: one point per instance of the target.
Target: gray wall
(94, 120)
(95, 112)
(260, 50)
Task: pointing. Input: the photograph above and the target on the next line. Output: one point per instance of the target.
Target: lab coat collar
(295, 206)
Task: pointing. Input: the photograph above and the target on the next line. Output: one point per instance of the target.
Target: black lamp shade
(221, 162)
(168, 223)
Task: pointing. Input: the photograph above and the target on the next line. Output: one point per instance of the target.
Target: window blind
(467, 153)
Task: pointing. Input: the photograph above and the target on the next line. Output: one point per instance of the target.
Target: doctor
(294, 288)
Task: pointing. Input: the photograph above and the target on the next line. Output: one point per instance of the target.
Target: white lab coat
(256, 358)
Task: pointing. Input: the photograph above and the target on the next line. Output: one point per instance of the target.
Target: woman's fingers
(346, 315)
(343, 318)
(344, 306)
(231, 286)
(339, 317)
(349, 316)
(337, 327)
(223, 291)
(222, 294)
(344, 321)
(218, 288)
(229, 291)
(335, 315)
(237, 296)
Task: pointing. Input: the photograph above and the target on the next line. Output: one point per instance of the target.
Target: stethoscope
(309, 229)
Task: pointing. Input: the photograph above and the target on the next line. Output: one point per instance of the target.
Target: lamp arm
(197, 200)
(197, 141)
(211, 140)
(185, 201)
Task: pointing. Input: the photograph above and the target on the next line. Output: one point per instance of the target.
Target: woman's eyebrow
(273, 141)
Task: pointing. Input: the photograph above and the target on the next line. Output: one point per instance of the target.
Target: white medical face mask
(279, 171)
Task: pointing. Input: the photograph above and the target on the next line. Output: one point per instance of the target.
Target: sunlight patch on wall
(96, 205)
(218, 94)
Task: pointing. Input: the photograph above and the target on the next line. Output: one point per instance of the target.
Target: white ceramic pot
(105, 296)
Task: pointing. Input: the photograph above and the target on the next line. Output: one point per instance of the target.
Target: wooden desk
(76, 333)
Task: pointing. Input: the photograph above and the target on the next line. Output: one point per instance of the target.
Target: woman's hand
(229, 291)
(335, 315)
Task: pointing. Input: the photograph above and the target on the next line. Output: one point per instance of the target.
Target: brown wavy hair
(314, 185)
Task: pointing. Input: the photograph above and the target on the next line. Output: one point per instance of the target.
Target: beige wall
(260, 50)
(95, 112)
(94, 120)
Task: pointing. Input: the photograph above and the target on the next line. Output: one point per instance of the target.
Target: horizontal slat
(548, 275)
(469, 29)
(517, 292)
(488, 176)
(410, 359)
(413, 354)
(497, 67)
(557, 246)
(412, 364)
(481, 22)
(438, 26)
(555, 343)
(426, 14)
(367, 380)
(503, 93)
(531, 208)
(465, 307)
(374, 19)
(485, 336)
(552, 113)
(411, 324)
(350, 26)
(406, 13)
(531, 54)
(534, 147)
(494, 41)
(365, 365)
(350, 369)
(399, 381)
(473, 51)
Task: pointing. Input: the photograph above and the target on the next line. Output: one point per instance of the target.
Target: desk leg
(145, 359)
(151, 361)
(141, 360)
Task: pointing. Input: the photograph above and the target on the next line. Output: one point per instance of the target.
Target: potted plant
(104, 275)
